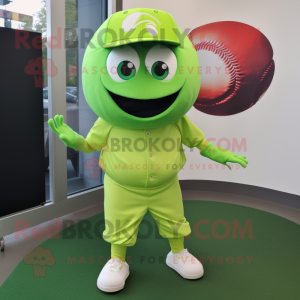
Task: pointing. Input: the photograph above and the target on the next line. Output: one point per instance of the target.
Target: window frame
(60, 203)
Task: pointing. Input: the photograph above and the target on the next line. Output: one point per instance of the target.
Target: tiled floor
(16, 248)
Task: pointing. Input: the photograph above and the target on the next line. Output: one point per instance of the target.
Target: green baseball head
(140, 70)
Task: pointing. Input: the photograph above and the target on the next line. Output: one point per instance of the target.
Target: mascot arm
(95, 140)
(192, 136)
(221, 155)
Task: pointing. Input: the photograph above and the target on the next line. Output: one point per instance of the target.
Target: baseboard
(274, 196)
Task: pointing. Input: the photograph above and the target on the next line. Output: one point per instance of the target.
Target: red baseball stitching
(267, 71)
(232, 65)
(265, 75)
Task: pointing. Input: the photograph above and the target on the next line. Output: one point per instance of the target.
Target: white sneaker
(184, 263)
(113, 275)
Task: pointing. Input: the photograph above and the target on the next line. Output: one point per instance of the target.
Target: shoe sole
(184, 275)
(112, 290)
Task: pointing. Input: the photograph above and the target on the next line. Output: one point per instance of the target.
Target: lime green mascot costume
(141, 76)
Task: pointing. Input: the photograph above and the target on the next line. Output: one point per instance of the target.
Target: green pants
(125, 207)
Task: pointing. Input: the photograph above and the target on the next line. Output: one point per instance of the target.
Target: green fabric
(223, 156)
(97, 82)
(191, 135)
(160, 153)
(125, 207)
(118, 251)
(67, 135)
(272, 274)
(132, 25)
(177, 244)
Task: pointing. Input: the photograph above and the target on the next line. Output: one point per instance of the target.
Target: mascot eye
(122, 63)
(159, 70)
(126, 69)
(161, 62)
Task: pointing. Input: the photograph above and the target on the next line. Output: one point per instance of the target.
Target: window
(31, 15)
(45, 16)
(82, 16)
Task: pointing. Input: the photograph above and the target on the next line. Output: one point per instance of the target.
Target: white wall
(271, 127)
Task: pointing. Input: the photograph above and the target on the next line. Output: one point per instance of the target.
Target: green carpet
(273, 253)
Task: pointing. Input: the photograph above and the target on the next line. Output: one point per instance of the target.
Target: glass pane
(82, 16)
(31, 15)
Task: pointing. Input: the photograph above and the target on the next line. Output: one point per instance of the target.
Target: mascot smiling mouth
(145, 108)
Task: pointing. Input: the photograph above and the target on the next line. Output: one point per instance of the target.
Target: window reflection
(82, 168)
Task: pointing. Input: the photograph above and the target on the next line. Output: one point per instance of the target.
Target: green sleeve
(96, 139)
(191, 135)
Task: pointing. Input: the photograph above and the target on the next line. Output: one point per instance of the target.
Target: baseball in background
(236, 66)
(267, 133)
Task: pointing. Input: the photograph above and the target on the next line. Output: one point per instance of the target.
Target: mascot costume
(141, 76)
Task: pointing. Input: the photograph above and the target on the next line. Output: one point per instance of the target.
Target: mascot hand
(68, 136)
(223, 156)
